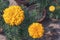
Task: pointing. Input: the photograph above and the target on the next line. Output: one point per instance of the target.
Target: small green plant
(3, 4)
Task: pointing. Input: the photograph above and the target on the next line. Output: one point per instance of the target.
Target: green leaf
(3, 5)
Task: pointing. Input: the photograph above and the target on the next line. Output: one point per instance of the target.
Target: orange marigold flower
(13, 15)
(36, 30)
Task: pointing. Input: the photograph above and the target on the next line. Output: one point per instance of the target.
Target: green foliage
(35, 12)
(56, 13)
(32, 14)
(3, 5)
(43, 3)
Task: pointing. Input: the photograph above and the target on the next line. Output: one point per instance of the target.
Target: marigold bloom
(52, 8)
(36, 30)
(13, 15)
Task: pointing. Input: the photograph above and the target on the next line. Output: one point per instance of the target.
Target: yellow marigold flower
(13, 15)
(36, 30)
(52, 8)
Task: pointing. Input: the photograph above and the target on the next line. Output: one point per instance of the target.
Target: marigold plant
(13, 15)
(52, 8)
(36, 30)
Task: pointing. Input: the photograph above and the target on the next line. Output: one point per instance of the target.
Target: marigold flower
(13, 15)
(52, 8)
(36, 30)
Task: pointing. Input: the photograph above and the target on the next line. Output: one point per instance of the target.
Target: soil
(2, 37)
